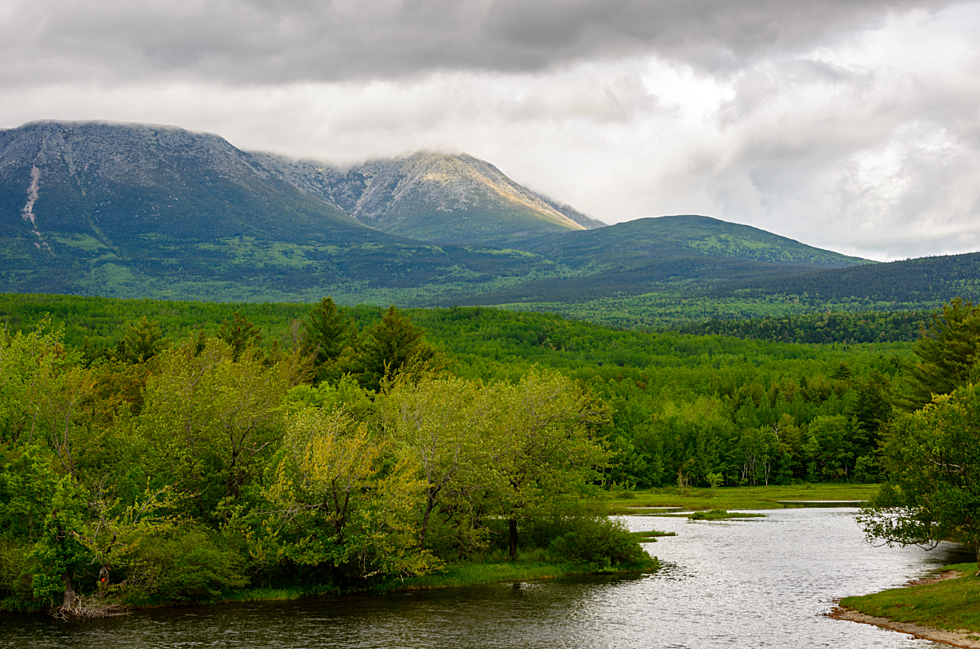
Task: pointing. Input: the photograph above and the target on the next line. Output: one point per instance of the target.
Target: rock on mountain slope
(434, 197)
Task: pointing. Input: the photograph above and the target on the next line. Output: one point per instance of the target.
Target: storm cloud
(261, 41)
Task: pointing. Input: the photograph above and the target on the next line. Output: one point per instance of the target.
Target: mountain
(633, 243)
(130, 210)
(911, 281)
(439, 197)
(662, 253)
(106, 186)
(134, 210)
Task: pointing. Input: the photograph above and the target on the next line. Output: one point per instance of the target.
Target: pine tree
(389, 347)
(326, 333)
(947, 353)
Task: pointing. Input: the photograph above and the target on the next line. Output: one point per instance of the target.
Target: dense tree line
(819, 328)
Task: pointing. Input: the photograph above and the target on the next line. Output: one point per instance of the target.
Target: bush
(599, 542)
(15, 579)
(185, 565)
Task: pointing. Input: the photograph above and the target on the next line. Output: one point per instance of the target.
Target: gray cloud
(261, 42)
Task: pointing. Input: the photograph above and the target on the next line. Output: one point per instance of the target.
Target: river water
(764, 582)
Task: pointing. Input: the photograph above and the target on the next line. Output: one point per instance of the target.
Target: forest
(170, 451)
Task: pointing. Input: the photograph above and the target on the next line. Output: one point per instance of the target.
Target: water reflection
(753, 583)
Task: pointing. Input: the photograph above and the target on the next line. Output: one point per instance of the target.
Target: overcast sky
(852, 125)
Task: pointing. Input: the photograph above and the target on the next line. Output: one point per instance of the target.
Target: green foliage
(239, 334)
(542, 444)
(932, 461)
(141, 342)
(389, 347)
(335, 501)
(599, 542)
(947, 353)
(58, 556)
(209, 420)
(444, 425)
(326, 332)
(339, 484)
(822, 328)
(186, 563)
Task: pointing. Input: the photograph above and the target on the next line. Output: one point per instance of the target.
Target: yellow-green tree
(339, 497)
(543, 445)
(209, 419)
(442, 422)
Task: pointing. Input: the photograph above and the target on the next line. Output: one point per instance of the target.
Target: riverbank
(452, 576)
(944, 609)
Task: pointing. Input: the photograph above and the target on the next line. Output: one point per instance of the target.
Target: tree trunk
(512, 524)
(70, 598)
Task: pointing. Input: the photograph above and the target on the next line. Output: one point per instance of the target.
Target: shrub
(186, 565)
(599, 542)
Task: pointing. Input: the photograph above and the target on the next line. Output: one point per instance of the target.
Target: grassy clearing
(732, 498)
(944, 604)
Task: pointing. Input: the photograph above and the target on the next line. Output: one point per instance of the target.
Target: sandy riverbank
(959, 638)
(967, 639)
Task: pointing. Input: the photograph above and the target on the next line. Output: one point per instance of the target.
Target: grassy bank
(733, 498)
(947, 603)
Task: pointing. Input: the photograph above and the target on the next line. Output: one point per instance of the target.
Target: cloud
(239, 42)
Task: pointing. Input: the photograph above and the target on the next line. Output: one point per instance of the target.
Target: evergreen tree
(391, 346)
(239, 334)
(326, 332)
(947, 352)
(141, 342)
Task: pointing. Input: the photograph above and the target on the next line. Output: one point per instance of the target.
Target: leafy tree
(829, 449)
(210, 419)
(58, 556)
(756, 452)
(335, 501)
(542, 445)
(439, 423)
(932, 459)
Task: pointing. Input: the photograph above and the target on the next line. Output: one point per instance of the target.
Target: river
(764, 582)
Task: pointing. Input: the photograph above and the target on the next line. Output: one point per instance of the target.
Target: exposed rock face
(433, 197)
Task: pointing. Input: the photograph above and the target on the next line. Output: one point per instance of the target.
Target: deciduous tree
(932, 461)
